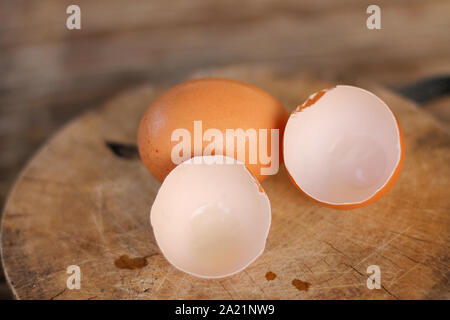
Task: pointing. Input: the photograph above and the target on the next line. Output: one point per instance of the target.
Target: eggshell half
(343, 147)
(211, 217)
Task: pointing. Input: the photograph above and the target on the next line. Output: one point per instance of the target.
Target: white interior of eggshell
(210, 218)
(343, 148)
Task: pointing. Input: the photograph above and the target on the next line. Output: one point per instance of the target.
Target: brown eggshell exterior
(219, 103)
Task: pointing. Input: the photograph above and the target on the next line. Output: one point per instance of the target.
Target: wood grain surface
(77, 202)
(51, 74)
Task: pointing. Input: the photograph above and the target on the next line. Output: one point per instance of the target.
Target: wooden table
(50, 74)
(80, 203)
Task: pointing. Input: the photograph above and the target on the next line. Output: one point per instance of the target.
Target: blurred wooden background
(50, 74)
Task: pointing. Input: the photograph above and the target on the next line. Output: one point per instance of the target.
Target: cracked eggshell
(211, 218)
(343, 147)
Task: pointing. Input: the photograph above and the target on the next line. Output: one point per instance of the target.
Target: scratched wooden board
(78, 203)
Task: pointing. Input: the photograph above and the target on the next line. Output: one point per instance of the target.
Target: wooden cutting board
(80, 203)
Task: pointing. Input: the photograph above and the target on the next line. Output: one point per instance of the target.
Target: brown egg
(202, 117)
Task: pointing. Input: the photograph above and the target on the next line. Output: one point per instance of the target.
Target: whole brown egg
(213, 116)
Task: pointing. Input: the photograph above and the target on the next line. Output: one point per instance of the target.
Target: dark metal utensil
(427, 89)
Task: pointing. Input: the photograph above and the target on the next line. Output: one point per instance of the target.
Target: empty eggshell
(343, 147)
(211, 217)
